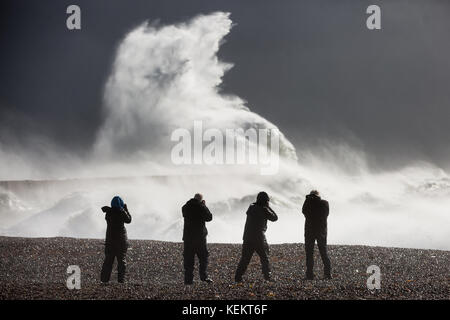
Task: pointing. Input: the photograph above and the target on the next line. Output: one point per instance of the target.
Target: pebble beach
(36, 268)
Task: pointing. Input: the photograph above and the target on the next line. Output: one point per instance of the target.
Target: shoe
(309, 277)
(207, 280)
(268, 277)
(188, 283)
(327, 277)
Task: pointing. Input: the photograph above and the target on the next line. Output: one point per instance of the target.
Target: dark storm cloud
(311, 67)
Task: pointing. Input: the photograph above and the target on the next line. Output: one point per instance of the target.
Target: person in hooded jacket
(254, 236)
(316, 212)
(195, 214)
(116, 243)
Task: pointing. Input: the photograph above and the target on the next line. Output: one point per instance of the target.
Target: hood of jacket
(117, 202)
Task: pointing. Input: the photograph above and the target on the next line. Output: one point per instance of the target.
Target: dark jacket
(316, 212)
(256, 223)
(116, 234)
(195, 214)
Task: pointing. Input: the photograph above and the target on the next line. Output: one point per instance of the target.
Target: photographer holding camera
(195, 214)
(116, 242)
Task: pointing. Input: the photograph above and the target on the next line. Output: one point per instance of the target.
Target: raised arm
(126, 215)
(270, 214)
(326, 208)
(106, 210)
(306, 209)
(206, 214)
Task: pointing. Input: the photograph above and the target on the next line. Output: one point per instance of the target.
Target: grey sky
(310, 67)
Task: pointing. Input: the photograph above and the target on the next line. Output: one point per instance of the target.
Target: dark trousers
(310, 240)
(191, 248)
(111, 253)
(248, 248)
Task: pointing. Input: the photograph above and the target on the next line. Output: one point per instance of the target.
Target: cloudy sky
(310, 67)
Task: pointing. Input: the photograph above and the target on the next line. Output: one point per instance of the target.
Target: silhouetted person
(195, 214)
(116, 243)
(316, 212)
(254, 236)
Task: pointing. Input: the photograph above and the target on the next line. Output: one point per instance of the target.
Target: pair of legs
(194, 248)
(248, 248)
(112, 252)
(310, 240)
